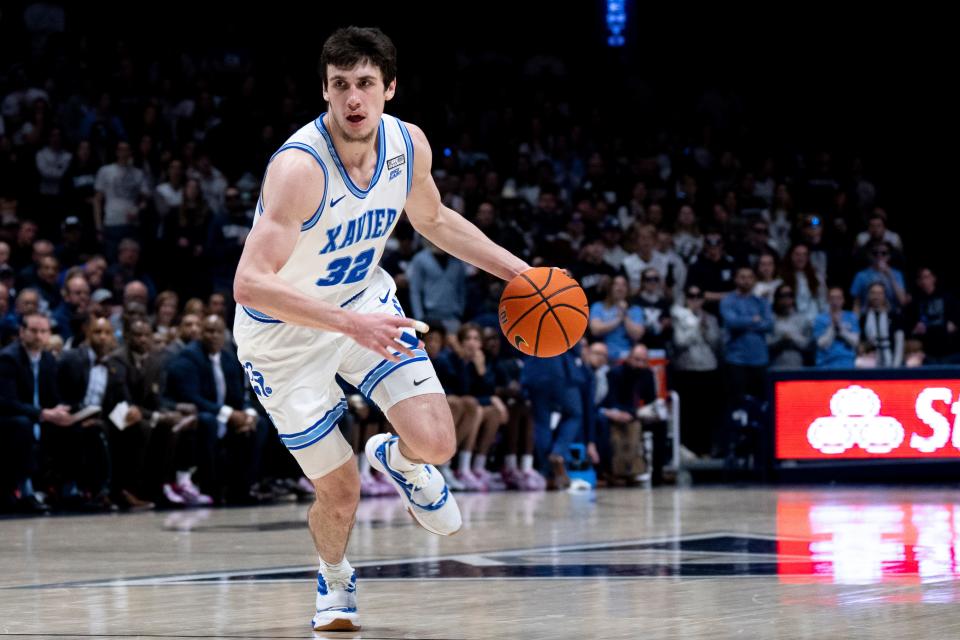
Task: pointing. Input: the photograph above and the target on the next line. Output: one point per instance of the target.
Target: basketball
(543, 312)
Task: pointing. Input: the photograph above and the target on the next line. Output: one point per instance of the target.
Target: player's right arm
(293, 190)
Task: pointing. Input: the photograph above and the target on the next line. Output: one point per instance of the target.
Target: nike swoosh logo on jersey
(385, 296)
(417, 383)
(333, 203)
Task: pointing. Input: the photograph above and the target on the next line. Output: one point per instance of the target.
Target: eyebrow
(341, 77)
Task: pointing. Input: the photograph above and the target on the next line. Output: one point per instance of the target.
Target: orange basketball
(543, 312)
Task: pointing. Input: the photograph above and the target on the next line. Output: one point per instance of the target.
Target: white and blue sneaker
(336, 604)
(423, 490)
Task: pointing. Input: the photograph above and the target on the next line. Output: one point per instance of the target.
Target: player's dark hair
(349, 46)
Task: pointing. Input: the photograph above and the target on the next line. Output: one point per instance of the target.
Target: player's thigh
(304, 402)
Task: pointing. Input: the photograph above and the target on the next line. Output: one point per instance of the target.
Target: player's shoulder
(294, 163)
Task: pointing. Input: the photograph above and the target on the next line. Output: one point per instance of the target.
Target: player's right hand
(380, 332)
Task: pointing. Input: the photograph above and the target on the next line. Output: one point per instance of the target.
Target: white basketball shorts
(292, 369)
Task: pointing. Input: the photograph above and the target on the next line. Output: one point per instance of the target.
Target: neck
(353, 154)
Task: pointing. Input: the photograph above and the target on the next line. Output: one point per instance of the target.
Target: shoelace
(337, 582)
(421, 479)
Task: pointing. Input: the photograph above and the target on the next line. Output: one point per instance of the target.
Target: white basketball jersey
(340, 245)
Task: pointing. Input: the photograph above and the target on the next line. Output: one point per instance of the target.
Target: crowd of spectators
(126, 196)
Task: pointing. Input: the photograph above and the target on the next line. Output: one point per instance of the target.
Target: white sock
(465, 460)
(479, 462)
(526, 462)
(341, 568)
(183, 477)
(510, 461)
(364, 464)
(397, 459)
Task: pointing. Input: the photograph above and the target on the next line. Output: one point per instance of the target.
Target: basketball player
(312, 303)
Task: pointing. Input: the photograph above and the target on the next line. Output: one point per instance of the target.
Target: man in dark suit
(30, 410)
(167, 420)
(630, 402)
(230, 435)
(87, 378)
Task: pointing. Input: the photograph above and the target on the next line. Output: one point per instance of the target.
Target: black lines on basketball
(545, 299)
(566, 338)
(570, 306)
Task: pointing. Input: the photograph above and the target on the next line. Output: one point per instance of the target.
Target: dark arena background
(757, 437)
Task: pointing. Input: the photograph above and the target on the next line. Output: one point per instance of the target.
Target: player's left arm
(445, 227)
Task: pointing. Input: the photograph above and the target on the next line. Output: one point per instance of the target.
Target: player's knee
(439, 447)
(338, 498)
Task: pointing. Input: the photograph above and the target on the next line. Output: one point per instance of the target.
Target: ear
(391, 89)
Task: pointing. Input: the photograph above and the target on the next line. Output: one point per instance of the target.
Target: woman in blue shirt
(615, 321)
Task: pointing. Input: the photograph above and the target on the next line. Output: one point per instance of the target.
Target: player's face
(356, 97)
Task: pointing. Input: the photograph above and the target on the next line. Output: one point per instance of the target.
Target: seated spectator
(656, 310)
(808, 289)
(27, 277)
(767, 276)
(592, 272)
(34, 423)
(518, 430)
(879, 271)
(611, 236)
(145, 384)
(877, 231)
(676, 278)
(632, 390)
(881, 328)
(712, 270)
(933, 318)
(72, 251)
(757, 243)
(72, 312)
(438, 287)
(167, 306)
(615, 321)
(481, 384)
(837, 333)
(188, 331)
(230, 433)
(465, 409)
(27, 303)
(128, 269)
(686, 234)
(747, 320)
(644, 257)
(790, 340)
(86, 378)
(697, 342)
(47, 282)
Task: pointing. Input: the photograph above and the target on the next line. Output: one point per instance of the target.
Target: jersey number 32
(339, 271)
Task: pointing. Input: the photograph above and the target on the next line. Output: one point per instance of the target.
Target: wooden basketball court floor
(628, 563)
